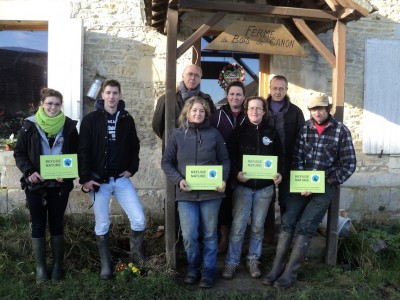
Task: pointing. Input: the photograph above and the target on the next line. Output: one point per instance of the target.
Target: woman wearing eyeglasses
(47, 132)
(251, 197)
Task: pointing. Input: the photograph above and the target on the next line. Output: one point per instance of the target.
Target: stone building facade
(116, 43)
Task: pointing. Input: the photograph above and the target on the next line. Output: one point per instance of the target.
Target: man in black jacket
(287, 118)
(108, 156)
(188, 87)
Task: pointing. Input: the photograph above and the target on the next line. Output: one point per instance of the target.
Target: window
(381, 91)
(23, 72)
(212, 63)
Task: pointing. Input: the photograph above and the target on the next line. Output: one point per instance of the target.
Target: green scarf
(51, 126)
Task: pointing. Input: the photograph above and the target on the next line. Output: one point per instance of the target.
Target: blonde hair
(182, 120)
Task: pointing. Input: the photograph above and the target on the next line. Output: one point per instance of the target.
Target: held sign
(59, 166)
(204, 177)
(307, 181)
(257, 37)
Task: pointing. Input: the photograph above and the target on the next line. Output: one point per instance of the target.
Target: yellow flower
(134, 269)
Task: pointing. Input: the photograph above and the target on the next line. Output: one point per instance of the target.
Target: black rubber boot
(105, 256)
(57, 246)
(284, 242)
(289, 276)
(136, 245)
(39, 251)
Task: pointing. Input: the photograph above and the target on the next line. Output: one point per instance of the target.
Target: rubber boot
(223, 239)
(39, 251)
(105, 257)
(57, 246)
(284, 242)
(136, 245)
(289, 276)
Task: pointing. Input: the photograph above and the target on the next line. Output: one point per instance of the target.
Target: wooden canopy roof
(319, 15)
(303, 18)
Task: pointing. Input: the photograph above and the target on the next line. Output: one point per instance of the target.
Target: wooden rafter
(313, 39)
(258, 9)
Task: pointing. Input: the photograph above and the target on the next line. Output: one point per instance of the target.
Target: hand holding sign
(221, 189)
(184, 186)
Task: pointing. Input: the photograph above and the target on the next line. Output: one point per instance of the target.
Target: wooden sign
(257, 37)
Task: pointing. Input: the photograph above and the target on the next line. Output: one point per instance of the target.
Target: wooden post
(263, 83)
(170, 82)
(338, 77)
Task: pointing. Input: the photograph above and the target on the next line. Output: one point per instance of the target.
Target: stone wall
(117, 44)
(373, 191)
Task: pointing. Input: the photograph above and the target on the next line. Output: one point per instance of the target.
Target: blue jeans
(204, 215)
(246, 201)
(308, 212)
(123, 190)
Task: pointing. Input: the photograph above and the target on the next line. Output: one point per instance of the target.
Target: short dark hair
(264, 102)
(111, 82)
(238, 84)
(328, 108)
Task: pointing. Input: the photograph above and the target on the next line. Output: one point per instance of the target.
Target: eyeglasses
(50, 104)
(195, 75)
(281, 89)
(256, 109)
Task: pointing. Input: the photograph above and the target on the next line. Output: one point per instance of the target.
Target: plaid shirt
(332, 151)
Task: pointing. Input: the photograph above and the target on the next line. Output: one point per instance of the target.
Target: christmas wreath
(230, 73)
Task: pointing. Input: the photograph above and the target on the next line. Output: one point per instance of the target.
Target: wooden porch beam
(338, 83)
(200, 32)
(265, 71)
(170, 82)
(24, 25)
(344, 13)
(332, 4)
(313, 39)
(259, 9)
(351, 4)
(338, 75)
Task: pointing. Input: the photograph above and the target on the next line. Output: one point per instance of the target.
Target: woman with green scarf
(48, 132)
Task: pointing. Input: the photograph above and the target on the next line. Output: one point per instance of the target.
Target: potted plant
(10, 142)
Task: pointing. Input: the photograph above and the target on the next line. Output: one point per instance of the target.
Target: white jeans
(123, 190)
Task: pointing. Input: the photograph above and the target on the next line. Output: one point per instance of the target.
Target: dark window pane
(23, 72)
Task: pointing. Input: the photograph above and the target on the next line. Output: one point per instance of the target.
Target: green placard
(307, 181)
(204, 177)
(59, 166)
(260, 166)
